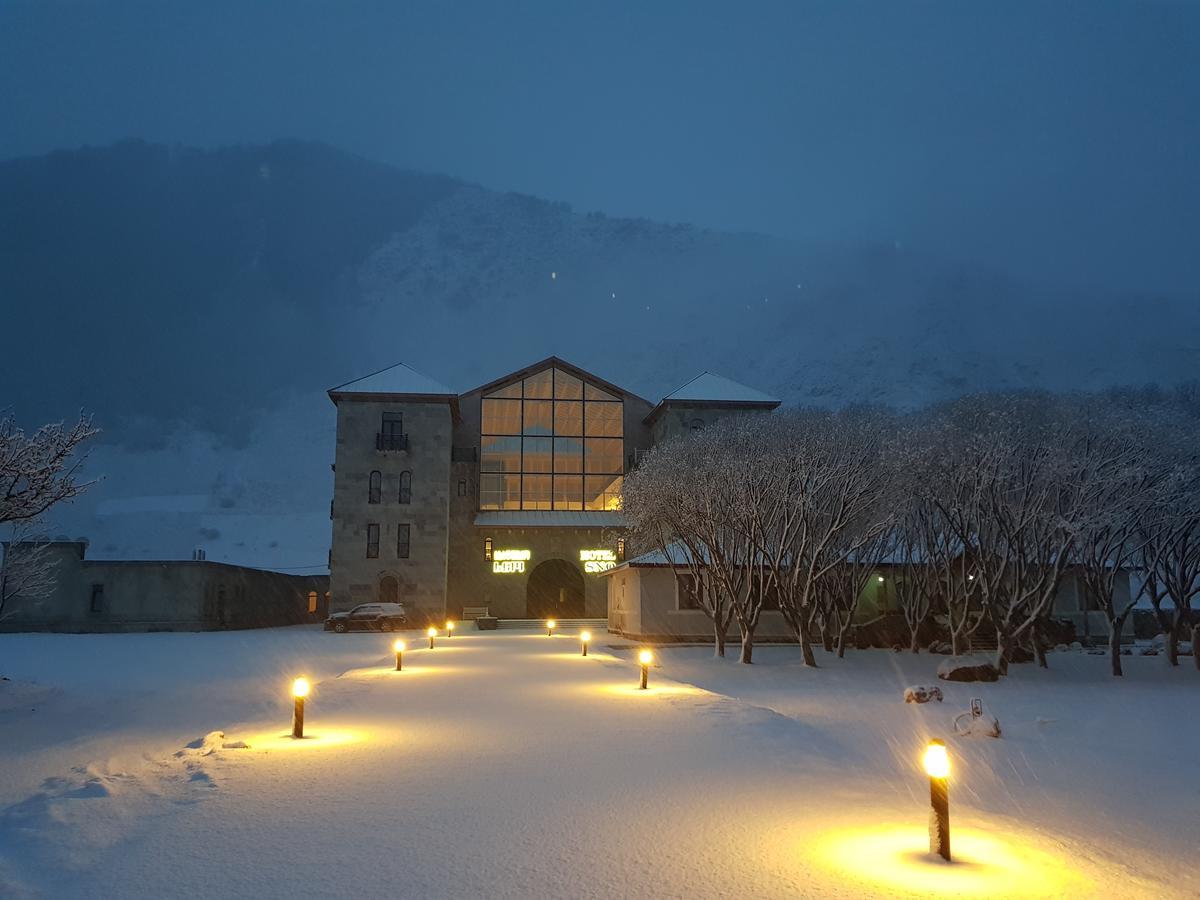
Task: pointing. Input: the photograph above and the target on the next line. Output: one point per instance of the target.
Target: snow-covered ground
(506, 765)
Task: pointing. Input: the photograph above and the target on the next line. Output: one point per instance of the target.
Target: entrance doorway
(554, 590)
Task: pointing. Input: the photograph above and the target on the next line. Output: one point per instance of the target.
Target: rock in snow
(968, 668)
(921, 693)
(977, 726)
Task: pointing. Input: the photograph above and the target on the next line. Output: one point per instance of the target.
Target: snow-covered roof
(558, 518)
(397, 379)
(717, 389)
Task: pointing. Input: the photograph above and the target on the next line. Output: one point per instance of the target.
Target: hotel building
(507, 496)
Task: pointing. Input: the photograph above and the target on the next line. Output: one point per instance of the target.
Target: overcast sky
(1052, 140)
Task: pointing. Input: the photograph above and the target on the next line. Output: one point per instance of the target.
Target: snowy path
(499, 765)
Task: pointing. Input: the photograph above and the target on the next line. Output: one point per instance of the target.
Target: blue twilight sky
(1052, 140)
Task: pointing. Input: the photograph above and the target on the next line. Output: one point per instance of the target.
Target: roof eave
(662, 406)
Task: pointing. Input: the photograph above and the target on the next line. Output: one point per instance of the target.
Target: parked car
(368, 617)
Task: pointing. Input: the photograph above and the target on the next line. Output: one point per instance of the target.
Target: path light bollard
(299, 691)
(449, 628)
(432, 632)
(398, 646)
(937, 766)
(550, 623)
(584, 637)
(645, 658)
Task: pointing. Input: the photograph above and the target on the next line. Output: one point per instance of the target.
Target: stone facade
(420, 579)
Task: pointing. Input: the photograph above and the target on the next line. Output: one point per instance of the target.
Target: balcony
(390, 442)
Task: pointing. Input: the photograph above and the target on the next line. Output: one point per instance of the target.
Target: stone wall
(421, 578)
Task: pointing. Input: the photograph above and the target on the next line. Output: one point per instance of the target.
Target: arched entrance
(554, 590)
(389, 590)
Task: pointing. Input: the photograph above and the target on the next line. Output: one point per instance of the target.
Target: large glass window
(551, 441)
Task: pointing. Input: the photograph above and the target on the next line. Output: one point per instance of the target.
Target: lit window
(551, 441)
(487, 549)
(312, 601)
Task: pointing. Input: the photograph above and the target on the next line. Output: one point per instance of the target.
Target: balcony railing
(391, 441)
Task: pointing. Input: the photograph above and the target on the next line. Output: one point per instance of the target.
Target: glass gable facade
(551, 441)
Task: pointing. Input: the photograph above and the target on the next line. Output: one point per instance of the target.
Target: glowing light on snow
(645, 657)
(300, 687)
(936, 760)
(323, 738)
(449, 628)
(398, 646)
(584, 637)
(550, 623)
(895, 859)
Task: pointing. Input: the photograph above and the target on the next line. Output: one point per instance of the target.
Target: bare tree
(1011, 500)
(42, 469)
(1171, 552)
(37, 472)
(663, 500)
(27, 568)
(831, 482)
(1122, 484)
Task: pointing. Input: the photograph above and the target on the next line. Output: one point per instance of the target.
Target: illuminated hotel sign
(509, 562)
(596, 561)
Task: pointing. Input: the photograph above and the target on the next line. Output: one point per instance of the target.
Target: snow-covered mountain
(199, 303)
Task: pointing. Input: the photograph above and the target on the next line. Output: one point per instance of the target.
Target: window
(97, 604)
(403, 536)
(487, 549)
(372, 541)
(462, 487)
(621, 549)
(391, 433)
(374, 487)
(312, 601)
(686, 594)
(392, 424)
(551, 441)
(406, 487)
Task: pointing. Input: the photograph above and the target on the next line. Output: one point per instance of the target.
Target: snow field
(506, 765)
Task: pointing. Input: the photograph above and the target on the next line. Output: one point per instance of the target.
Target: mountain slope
(198, 302)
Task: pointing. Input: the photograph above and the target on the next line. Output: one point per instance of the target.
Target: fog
(1049, 140)
(210, 213)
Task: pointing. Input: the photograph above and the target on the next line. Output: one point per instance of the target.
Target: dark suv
(368, 617)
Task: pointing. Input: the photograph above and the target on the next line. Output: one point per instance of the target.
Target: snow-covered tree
(27, 566)
(37, 472)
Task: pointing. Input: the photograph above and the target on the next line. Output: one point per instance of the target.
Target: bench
(474, 612)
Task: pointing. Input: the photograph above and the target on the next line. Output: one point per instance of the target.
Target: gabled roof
(717, 389)
(399, 380)
(557, 363)
(707, 389)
